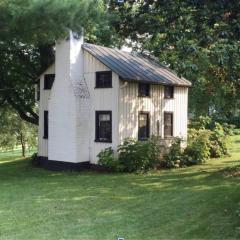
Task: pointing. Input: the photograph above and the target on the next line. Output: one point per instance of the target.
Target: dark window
(104, 79)
(168, 91)
(38, 90)
(103, 126)
(143, 126)
(168, 124)
(143, 90)
(45, 125)
(48, 81)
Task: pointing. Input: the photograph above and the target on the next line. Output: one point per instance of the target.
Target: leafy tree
(16, 132)
(199, 39)
(28, 30)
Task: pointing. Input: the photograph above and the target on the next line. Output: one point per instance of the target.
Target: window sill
(102, 141)
(168, 98)
(144, 96)
(102, 87)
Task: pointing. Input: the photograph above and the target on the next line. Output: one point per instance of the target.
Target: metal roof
(135, 68)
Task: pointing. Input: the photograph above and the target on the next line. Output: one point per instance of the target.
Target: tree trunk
(23, 145)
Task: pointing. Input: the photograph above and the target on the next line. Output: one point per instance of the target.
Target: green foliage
(218, 141)
(138, 155)
(108, 159)
(174, 157)
(132, 156)
(198, 148)
(198, 39)
(14, 131)
(28, 33)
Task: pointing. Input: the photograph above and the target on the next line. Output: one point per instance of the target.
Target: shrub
(218, 141)
(174, 157)
(132, 155)
(108, 159)
(198, 149)
(138, 155)
(228, 129)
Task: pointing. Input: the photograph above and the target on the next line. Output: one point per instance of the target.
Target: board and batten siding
(101, 99)
(43, 106)
(130, 105)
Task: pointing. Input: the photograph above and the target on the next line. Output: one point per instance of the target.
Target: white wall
(43, 106)
(130, 104)
(100, 99)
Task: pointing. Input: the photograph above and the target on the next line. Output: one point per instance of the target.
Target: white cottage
(94, 97)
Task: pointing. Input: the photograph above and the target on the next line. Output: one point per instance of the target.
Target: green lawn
(193, 203)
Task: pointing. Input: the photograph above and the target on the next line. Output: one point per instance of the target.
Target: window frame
(148, 89)
(148, 125)
(172, 124)
(45, 124)
(172, 92)
(97, 137)
(46, 84)
(97, 79)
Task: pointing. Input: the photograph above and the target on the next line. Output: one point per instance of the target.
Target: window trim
(173, 91)
(149, 90)
(97, 113)
(45, 124)
(168, 112)
(148, 125)
(96, 79)
(45, 81)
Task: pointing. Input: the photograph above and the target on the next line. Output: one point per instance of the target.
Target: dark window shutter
(45, 125)
(168, 124)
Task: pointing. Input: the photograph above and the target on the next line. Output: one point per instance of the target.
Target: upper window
(104, 79)
(103, 126)
(168, 124)
(48, 81)
(143, 90)
(45, 125)
(143, 126)
(168, 91)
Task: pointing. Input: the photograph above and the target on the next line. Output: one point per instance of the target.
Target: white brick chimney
(65, 142)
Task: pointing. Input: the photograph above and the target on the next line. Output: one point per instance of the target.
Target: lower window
(103, 126)
(168, 124)
(143, 126)
(45, 130)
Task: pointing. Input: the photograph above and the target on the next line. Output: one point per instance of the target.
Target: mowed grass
(199, 202)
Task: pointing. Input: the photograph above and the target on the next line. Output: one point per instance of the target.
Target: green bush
(108, 159)
(175, 156)
(138, 155)
(132, 155)
(218, 141)
(198, 148)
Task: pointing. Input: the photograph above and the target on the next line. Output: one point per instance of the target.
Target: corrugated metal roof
(131, 67)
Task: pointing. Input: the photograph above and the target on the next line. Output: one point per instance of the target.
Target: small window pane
(48, 81)
(143, 90)
(104, 79)
(168, 91)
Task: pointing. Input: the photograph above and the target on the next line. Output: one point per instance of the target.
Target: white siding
(130, 105)
(43, 106)
(105, 99)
